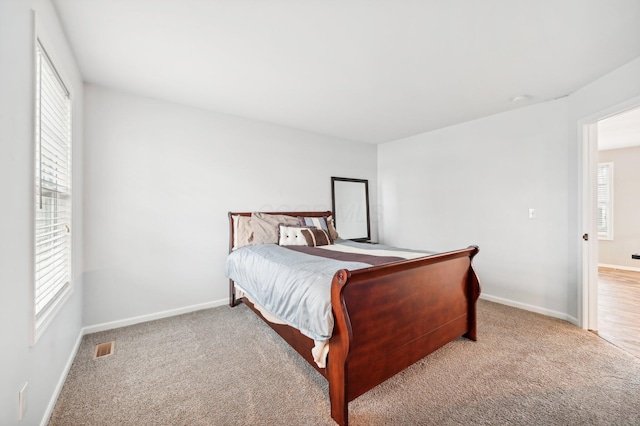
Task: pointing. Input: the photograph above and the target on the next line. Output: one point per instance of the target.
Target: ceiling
(620, 131)
(363, 70)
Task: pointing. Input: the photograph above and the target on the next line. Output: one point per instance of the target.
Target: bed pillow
(242, 231)
(316, 222)
(265, 226)
(316, 237)
(331, 224)
(291, 236)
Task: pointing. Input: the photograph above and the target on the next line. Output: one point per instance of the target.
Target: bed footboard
(388, 317)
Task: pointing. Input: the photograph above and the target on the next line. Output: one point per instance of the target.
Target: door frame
(588, 137)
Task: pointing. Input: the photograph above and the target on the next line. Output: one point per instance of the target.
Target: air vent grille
(104, 349)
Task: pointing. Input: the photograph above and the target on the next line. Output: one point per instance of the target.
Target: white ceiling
(364, 70)
(619, 131)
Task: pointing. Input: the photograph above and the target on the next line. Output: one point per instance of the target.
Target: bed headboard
(306, 214)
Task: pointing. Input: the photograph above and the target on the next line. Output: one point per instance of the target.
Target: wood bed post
(232, 294)
(232, 288)
(473, 293)
(337, 363)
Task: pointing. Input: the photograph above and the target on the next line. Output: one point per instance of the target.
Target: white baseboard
(63, 378)
(150, 317)
(623, 268)
(531, 308)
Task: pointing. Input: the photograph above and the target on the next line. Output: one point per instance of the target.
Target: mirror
(350, 198)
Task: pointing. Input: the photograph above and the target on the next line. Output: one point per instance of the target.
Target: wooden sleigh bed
(385, 318)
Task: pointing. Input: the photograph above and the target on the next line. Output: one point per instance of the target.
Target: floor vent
(103, 349)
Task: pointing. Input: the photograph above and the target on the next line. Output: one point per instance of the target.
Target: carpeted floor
(223, 366)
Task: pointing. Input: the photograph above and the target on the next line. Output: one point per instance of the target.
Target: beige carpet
(223, 366)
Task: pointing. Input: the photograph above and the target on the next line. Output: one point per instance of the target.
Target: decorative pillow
(316, 237)
(242, 231)
(331, 224)
(265, 226)
(314, 222)
(291, 236)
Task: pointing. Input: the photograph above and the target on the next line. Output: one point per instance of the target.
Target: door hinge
(585, 237)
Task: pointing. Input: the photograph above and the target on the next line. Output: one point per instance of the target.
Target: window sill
(41, 324)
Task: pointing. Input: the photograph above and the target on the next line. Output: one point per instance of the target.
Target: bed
(385, 317)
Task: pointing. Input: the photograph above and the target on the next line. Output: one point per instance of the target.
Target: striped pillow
(316, 237)
(325, 223)
(315, 222)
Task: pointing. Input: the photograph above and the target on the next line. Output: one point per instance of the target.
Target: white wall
(45, 364)
(474, 183)
(626, 205)
(160, 180)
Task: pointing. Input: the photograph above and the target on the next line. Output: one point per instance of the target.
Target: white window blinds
(52, 186)
(605, 201)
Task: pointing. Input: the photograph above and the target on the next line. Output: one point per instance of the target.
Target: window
(605, 201)
(52, 189)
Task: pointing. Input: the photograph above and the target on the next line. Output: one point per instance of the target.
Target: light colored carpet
(223, 366)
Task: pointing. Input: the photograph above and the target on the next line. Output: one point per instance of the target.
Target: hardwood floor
(619, 308)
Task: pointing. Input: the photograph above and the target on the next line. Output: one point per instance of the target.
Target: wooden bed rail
(388, 317)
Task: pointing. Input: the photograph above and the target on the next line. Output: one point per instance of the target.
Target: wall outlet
(22, 401)
(532, 213)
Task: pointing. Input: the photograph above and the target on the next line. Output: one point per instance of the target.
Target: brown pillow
(265, 226)
(316, 237)
(332, 228)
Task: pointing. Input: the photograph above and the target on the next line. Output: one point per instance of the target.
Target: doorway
(612, 284)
